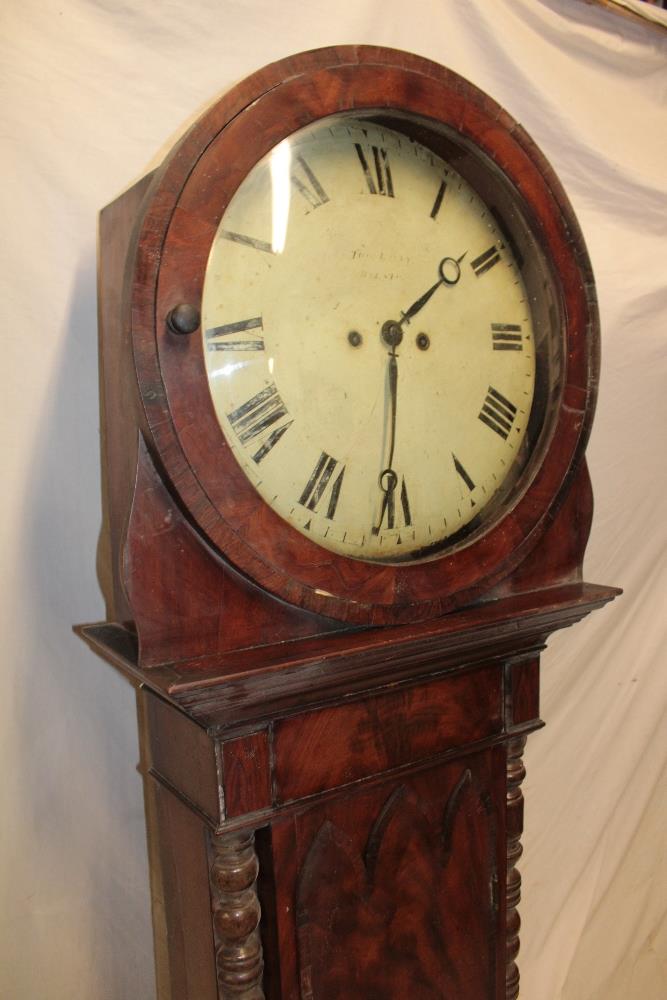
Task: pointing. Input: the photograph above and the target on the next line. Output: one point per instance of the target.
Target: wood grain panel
(181, 898)
(246, 773)
(186, 603)
(181, 752)
(118, 390)
(524, 689)
(392, 891)
(335, 746)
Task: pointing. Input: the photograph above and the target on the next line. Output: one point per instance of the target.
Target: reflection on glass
(280, 195)
(227, 369)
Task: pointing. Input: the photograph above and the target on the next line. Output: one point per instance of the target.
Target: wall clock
(385, 322)
(350, 358)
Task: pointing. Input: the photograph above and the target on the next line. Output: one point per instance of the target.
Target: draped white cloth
(93, 93)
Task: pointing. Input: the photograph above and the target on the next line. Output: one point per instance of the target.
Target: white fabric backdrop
(93, 93)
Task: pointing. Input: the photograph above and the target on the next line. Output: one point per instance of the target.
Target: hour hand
(420, 303)
(449, 271)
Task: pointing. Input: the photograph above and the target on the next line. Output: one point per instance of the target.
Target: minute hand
(449, 271)
(393, 392)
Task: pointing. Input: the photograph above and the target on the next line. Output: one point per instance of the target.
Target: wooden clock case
(331, 749)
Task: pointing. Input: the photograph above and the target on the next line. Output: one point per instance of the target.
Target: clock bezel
(183, 210)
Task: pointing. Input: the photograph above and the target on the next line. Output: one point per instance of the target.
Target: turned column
(515, 775)
(236, 915)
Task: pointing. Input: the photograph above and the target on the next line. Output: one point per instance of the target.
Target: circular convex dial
(369, 342)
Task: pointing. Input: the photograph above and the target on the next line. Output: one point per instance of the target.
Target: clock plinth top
(321, 668)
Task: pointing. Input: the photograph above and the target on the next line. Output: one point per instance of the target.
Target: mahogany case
(332, 779)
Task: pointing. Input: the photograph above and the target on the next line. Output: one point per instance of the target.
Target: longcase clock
(349, 348)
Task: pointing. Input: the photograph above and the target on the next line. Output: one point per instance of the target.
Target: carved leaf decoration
(374, 928)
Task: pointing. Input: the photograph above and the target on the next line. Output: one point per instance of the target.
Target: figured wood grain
(394, 893)
(255, 684)
(523, 691)
(558, 560)
(320, 750)
(185, 601)
(247, 772)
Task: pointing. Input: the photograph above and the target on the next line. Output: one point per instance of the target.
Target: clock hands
(449, 271)
(392, 336)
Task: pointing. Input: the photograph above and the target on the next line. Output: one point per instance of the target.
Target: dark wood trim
(249, 684)
(515, 775)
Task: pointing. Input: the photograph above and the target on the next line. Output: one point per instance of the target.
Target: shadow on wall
(79, 804)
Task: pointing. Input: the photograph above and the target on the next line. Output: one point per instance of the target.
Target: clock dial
(369, 342)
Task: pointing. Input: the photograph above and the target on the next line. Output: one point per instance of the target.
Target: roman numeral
(378, 175)
(389, 508)
(213, 342)
(256, 415)
(497, 413)
(319, 481)
(486, 260)
(405, 504)
(438, 199)
(463, 474)
(506, 337)
(311, 189)
(247, 241)
(271, 441)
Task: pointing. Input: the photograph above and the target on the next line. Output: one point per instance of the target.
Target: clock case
(304, 715)
(155, 384)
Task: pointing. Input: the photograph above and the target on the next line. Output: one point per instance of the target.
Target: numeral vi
(389, 508)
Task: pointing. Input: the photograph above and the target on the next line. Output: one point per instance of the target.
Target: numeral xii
(389, 508)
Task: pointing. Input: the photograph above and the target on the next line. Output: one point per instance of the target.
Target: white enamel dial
(368, 342)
